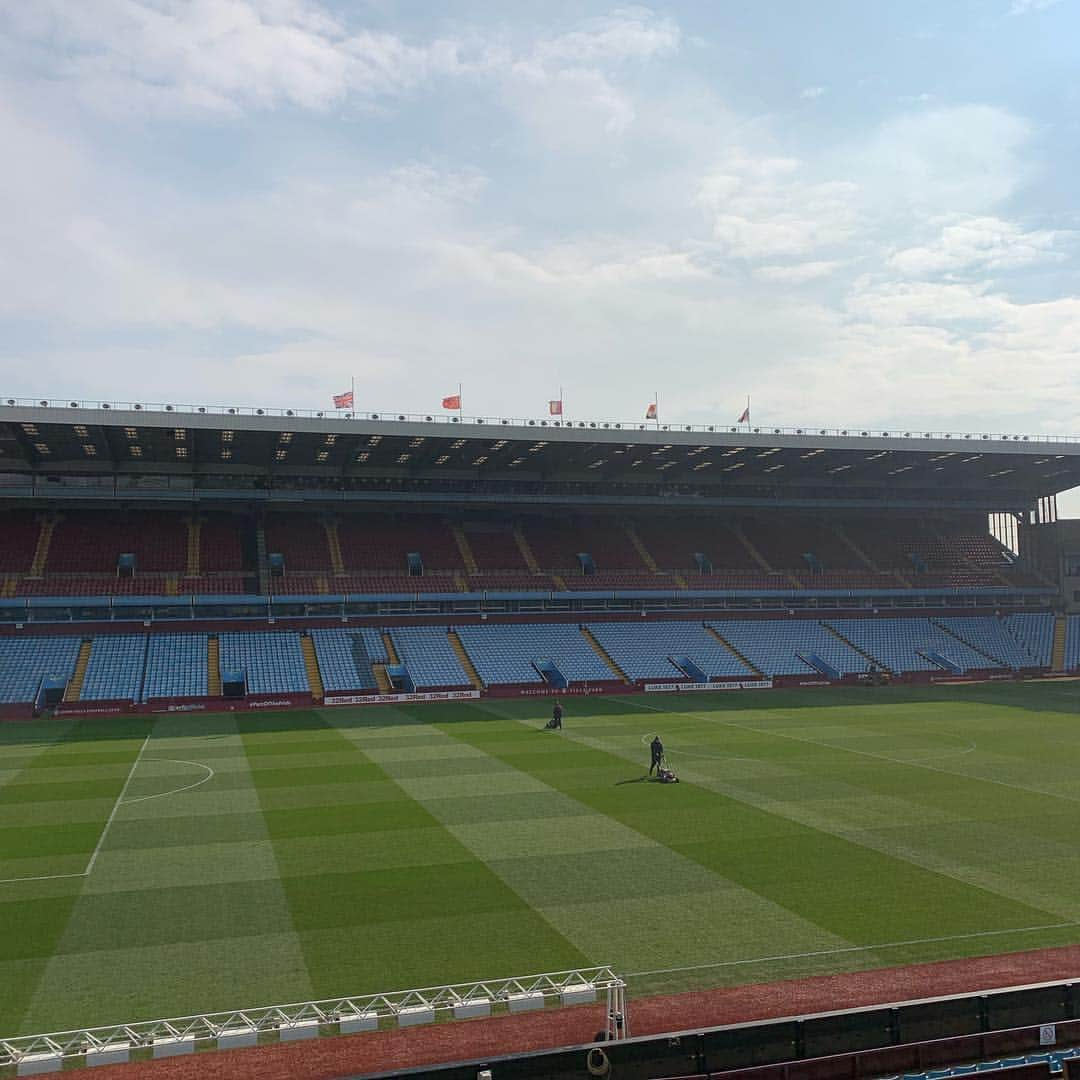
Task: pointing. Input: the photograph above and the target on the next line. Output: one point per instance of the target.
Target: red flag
(745, 417)
(452, 402)
(650, 412)
(343, 401)
(555, 407)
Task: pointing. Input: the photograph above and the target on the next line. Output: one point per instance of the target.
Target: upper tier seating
(375, 544)
(344, 661)
(506, 654)
(496, 549)
(1035, 633)
(428, 656)
(899, 644)
(221, 544)
(301, 539)
(556, 542)
(116, 668)
(273, 661)
(773, 646)
(611, 580)
(91, 541)
(18, 541)
(515, 582)
(642, 650)
(176, 666)
(25, 661)
(672, 544)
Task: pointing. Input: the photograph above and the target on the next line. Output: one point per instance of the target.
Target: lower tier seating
(508, 654)
(116, 667)
(25, 661)
(777, 647)
(344, 658)
(272, 661)
(176, 666)
(645, 651)
(428, 656)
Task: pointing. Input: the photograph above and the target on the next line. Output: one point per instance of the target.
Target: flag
(650, 412)
(452, 402)
(555, 407)
(343, 401)
(744, 418)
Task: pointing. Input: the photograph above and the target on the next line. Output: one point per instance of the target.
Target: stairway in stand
(213, 667)
(73, 690)
(603, 654)
(311, 664)
(1057, 656)
(464, 659)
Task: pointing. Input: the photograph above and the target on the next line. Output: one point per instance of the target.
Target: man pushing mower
(664, 773)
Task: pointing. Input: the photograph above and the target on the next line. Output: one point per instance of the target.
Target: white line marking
(119, 801)
(853, 949)
(101, 838)
(176, 791)
(850, 750)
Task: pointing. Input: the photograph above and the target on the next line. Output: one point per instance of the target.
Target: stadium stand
(428, 656)
(18, 541)
(990, 636)
(1035, 633)
(272, 661)
(176, 666)
(507, 654)
(345, 660)
(906, 644)
(643, 651)
(379, 544)
(557, 542)
(1072, 643)
(301, 539)
(24, 662)
(116, 668)
(776, 647)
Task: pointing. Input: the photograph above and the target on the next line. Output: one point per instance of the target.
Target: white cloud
(959, 159)
(1025, 7)
(977, 244)
(798, 273)
(763, 208)
(634, 33)
(812, 93)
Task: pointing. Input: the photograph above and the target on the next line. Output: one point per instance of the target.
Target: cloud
(1025, 7)
(626, 34)
(763, 208)
(963, 158)
(977, 244)
(798, 273)
(812, 93)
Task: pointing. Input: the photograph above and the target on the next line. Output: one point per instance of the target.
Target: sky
(860, 213)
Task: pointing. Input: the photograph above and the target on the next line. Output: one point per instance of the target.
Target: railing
(393, 416)
(307, 1019)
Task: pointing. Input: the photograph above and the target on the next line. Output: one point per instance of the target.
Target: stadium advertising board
(680, 687)
(391, 699)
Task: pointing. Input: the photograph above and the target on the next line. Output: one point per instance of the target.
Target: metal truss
(314, 1017)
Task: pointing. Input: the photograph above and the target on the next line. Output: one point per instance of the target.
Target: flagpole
(562, 406)
(352, 391)
(459, 404)
(657, 397)
(748, 412)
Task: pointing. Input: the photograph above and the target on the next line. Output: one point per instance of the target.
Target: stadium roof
(51, 437)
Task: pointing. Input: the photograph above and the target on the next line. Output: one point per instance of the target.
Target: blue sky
(859, 213)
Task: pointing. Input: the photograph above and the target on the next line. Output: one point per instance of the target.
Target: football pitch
(154, 867)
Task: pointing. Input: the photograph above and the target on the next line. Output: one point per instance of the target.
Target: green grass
(350, 851)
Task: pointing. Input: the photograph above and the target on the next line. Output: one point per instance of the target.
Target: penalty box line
(104, 832)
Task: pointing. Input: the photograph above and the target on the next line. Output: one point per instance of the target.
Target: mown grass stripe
(381, 926)
(852, 891)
